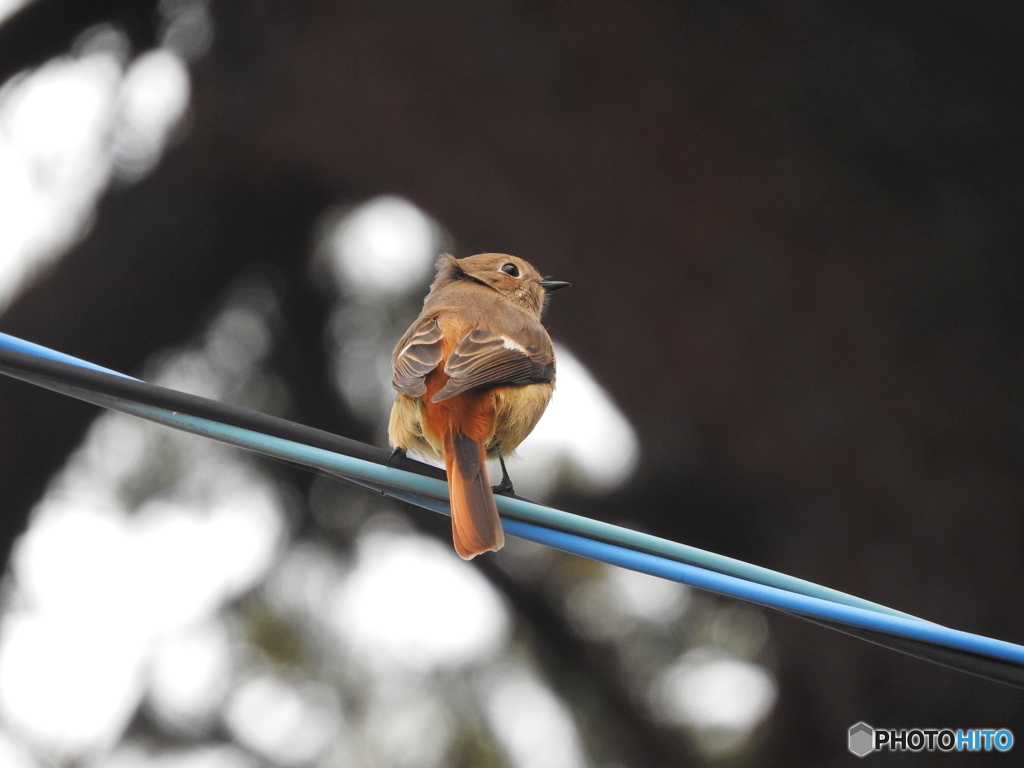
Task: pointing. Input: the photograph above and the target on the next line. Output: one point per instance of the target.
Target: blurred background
(793, 337)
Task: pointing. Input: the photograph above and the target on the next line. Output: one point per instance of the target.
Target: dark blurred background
(793, 232)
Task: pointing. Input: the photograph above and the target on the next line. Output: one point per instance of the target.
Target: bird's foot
(398, 453)
(505, 486)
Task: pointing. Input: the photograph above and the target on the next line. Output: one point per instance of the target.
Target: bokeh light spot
(413, 603)
(714, 692)
(288, 722)
(189, 677)
(385, 246)
(535, 727)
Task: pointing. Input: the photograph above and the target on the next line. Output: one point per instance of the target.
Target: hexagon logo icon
(861, 739)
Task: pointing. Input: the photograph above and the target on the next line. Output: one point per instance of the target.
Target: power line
(424, 486)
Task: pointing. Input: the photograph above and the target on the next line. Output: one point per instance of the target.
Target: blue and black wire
(403, 478)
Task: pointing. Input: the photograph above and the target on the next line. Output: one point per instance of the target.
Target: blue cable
(20, 345)
(769, 597)
(547, 526)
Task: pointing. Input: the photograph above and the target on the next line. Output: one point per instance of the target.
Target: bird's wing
(421, 353)
(491, 358)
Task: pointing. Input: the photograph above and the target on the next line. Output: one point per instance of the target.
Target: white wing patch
(513, 345)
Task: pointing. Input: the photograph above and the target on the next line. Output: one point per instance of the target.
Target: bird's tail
(476, 527)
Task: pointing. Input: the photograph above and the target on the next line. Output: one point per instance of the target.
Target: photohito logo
(863, 739)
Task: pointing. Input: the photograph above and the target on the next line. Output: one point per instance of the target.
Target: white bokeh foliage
(289, 722)
(411, 603)
(707, 689)
(99, 589)
(65, 129)
(384, 247)
(536, 729)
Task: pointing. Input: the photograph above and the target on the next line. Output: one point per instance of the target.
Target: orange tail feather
(476, 527)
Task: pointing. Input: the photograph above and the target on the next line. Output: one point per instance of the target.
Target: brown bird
(474, 373)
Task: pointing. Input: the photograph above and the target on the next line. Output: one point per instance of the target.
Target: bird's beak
(554, 285)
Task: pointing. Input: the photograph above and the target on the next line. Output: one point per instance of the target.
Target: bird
(473, 374)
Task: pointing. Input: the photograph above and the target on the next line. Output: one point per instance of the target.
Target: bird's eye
(511, 270)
